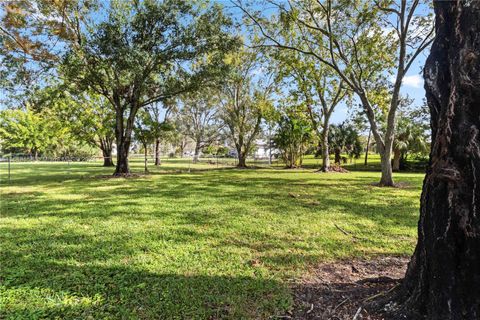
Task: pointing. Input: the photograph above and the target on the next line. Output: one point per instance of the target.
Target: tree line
(144, 68)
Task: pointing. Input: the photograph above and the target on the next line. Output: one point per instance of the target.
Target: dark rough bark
(157, 152)
(242, 159)
(123, 134)
(443, 278)
(242, 162)
(122, 167)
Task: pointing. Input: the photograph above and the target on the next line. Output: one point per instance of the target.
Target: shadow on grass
(63, 266)
(55, 288)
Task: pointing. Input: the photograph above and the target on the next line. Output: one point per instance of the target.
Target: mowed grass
(206, 244)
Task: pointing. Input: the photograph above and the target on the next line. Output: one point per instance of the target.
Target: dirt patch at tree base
(335, 168)
(342, 290)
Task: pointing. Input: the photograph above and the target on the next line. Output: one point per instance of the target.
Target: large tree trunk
(386, 180)
(106, 147)
(242, 159)
(122, 167)
(443, 277)
(157, 152)
(123, 139)
(107, 158)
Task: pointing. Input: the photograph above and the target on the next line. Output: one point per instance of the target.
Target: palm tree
(409, 137)
(344, 138)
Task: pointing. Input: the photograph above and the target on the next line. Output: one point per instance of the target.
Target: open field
(209, 243)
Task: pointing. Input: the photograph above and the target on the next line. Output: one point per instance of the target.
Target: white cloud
(415, 81)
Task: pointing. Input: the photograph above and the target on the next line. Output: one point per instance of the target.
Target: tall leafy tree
(319, 88)
(245, 98)
(144, 133)
(364, 42)
(200, 119)
(141, 54)
(293, 135)
(157, 117)
(28, 131)
(410, 137)
(88, 118)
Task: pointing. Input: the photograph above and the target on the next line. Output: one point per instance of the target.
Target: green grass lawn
(209, 243)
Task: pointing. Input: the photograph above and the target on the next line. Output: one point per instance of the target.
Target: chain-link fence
(13, 166)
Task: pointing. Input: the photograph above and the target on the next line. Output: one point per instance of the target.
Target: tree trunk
(242, 160)
(122, 167)
(368, 146)
(386, 180)
(145, 148)
(183, 144)
(106, 147)
(107, 158)
(123, 146)
(396, 160)
(325, 149)
(443, 277)
(157, 152)
(383, 147)
(123, 135)
(196, 152)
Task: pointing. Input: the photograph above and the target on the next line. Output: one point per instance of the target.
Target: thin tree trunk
(269, 146)
(145, 148)
(384, 148)
(442, 280)
(368, 146)
(325, 147)
(157, 152)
